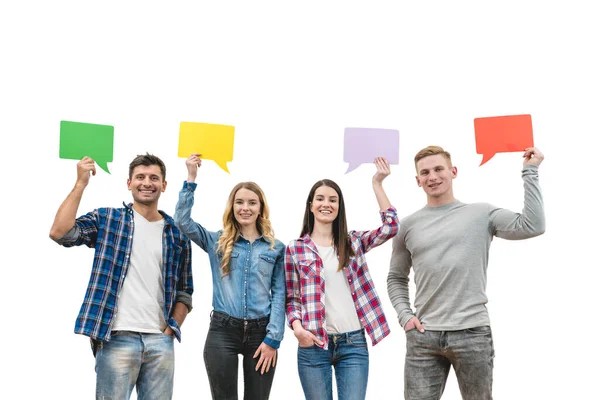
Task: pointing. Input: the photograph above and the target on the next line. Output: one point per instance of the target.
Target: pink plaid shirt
(305, 283)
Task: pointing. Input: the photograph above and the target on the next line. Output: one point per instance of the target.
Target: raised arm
(383, 170)
(389, 216)
(67, 212)
(531, 221)
(183, 209)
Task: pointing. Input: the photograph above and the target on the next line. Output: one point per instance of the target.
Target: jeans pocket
(217, 322)
(479, 330)
(357, 340)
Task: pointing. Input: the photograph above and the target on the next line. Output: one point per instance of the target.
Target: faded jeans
(145, 361)
(348, 354)
(429, 356)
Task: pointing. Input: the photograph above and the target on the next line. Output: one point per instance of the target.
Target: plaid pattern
(110, 232)
(305, 285)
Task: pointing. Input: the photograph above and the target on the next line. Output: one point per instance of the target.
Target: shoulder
(279, 246)
(296, 245)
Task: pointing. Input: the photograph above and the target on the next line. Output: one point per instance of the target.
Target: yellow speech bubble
(212, 141)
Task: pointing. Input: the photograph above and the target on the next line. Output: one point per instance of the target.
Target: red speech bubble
(504, 134)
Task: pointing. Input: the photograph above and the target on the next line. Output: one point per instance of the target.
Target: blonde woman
(248, 277)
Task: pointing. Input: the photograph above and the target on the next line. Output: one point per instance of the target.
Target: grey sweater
(448, 248)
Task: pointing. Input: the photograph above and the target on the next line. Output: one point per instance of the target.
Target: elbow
(56, 234)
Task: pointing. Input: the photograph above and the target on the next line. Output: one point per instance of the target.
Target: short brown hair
(147, 160)
(432, 151)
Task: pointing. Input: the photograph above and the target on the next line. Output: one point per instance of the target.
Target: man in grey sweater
(447, 244)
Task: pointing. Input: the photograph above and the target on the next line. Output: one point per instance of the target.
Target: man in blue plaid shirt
(140, 289)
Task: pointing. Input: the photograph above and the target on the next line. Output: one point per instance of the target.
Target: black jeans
(228, 337)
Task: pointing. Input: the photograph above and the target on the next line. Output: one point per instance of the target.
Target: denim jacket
(255, 285)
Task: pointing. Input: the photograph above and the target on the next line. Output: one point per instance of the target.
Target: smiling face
(325, 205)
(435, 175)
(146, 184)
(246, 207)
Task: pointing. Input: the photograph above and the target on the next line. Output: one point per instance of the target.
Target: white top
(141, 300)
(340, 312)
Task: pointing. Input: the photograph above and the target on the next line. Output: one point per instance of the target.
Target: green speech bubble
(79, 139)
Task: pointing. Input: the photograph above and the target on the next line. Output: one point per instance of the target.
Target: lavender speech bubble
(363, 145)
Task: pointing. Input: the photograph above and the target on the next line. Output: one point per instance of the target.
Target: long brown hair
(231, 228)
(340, 227)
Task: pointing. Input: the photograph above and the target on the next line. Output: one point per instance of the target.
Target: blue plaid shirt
(110, 232)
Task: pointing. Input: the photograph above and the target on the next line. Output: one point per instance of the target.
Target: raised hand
(84, 167)
(192, 163)
(383, 169)
(533, 156)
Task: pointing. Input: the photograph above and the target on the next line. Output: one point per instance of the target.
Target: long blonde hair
(231, 228)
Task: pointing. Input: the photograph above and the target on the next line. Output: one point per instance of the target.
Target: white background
(290, 76)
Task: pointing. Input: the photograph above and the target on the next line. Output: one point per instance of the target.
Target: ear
(164, 186)
(128, 184)
(454, 171)
(418, 181)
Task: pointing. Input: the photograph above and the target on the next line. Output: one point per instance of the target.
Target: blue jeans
(348, 354)
(145, 361)
(227, 337)
(429, 356)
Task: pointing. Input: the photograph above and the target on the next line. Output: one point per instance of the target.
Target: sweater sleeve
(531, 221)
(398, 278)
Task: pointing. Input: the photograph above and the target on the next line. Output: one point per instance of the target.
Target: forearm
(382, 199)
(533, 208)
(397, 287)
(180, 313)
(398, 278)
(531, 221)
(67, 213)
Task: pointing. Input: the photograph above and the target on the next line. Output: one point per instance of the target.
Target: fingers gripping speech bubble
(363, 145)
(502, 134)
(79, 139)
(213, 142)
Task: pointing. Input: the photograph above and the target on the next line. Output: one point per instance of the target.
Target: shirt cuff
(272, 342)
(190, 185)
(185, 298)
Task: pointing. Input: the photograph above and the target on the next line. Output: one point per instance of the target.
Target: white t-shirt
(340, 312)
(141, 300)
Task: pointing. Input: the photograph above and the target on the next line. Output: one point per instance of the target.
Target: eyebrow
(427, 169)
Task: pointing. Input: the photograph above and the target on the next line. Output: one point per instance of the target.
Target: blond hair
(432, 151)
(231, 228)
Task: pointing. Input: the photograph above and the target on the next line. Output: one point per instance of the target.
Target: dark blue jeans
(227, 337)
(429, 356)
(348, 354)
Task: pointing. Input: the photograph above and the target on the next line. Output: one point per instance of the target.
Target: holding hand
(84, 167)
(533, 156)
(192, 163)
(383, 169)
